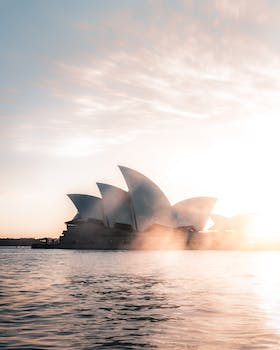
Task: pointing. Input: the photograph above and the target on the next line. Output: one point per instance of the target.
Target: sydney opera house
(140, 218)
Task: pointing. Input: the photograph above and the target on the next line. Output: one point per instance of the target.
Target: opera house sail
(149, 203)
(89, 207)
(194, 212)
(116, 205)
(120, 217)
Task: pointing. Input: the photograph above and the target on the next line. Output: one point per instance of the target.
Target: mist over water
(63, 299)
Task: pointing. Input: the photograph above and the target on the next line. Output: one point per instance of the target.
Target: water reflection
(268, 287)
(134, 300)
(119, 308)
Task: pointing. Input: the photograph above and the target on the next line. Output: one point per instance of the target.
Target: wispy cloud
(158, 74)
(189, 68)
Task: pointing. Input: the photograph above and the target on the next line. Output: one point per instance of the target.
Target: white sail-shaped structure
(149, 203)
(140, 217)
(221, 222)
(116, 205)
(193, 212)
(239, 222)
(88, 207)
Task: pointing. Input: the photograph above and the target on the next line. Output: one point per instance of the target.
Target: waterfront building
(119, 217)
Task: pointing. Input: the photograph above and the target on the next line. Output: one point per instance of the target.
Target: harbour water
(206, 300)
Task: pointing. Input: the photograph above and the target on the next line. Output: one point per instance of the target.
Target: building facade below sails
(139, 218)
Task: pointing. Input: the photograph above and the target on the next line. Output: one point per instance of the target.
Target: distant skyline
(185, 92)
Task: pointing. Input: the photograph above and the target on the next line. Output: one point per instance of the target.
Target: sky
(186, 92)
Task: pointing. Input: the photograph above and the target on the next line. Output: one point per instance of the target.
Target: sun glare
(265, 227)
(252, 182)
(262, 136)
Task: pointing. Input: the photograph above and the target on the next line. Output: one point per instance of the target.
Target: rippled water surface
(59, 299)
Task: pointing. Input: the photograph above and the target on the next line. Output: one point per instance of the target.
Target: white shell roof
(88, 206)
(116, 204)
(193, 211)
(150, 205)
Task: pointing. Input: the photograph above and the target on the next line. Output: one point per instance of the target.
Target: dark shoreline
(37, 244)
(23, 242)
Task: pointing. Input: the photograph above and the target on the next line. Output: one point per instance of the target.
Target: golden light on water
(267, 288)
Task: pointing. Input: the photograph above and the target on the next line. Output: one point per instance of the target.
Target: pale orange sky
(185, 92)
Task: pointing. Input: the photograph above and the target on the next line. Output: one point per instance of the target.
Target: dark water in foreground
(55, 299)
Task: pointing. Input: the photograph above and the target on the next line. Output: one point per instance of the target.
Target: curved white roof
(149, 203)
(193, 211)
(88, 206)
(220, 222)
(116, 204)
(240, 222)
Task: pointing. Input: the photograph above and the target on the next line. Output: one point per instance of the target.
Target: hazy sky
(186, 92)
